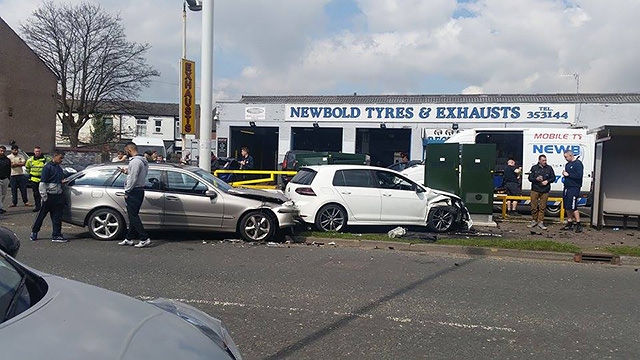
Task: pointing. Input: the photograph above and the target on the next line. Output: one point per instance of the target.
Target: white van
(149, 143)
(525, 145)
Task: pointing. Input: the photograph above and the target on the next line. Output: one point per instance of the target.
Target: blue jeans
(18, 182)
(134, 203)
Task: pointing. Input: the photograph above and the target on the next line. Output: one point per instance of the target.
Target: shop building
(386, 125)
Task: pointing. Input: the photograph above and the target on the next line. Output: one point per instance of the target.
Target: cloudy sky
(338, 47)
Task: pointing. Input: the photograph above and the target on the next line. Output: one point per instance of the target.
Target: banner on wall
(529, 113)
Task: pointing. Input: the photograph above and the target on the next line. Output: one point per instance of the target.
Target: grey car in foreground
(176, 197)
(49, 317)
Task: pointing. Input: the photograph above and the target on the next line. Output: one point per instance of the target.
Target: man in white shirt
(18, 180)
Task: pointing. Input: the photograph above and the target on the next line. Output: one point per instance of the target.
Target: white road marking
(336, 313)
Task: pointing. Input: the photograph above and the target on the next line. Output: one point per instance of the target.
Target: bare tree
(86, 47)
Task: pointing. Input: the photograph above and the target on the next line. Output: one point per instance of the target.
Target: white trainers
(143, 243)
(542, 226)
(532, 223)
(126, 242)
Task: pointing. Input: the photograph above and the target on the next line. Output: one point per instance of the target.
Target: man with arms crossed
(541, 176)
(572, 173)
(134, 196)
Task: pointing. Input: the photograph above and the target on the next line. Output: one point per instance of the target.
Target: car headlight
(213, 328)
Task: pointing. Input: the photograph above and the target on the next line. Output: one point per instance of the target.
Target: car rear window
(94, 177)
(304, 177)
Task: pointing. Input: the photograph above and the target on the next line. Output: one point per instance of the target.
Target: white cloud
(396, 46)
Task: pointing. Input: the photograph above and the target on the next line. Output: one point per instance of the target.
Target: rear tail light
(307, 191)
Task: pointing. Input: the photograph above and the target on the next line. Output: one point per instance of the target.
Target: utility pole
(206, 100)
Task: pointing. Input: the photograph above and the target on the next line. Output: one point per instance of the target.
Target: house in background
(27, 94)
(132, 119)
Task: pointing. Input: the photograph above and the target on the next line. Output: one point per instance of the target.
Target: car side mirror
(212, 194)
(419, 189)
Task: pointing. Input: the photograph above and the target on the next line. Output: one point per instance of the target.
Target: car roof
(153, 165)
(344, 167)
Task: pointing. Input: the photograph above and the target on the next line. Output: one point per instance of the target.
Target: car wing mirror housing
(212, 194)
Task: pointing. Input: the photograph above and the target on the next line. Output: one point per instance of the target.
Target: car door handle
(120, 193)
(387, 195)
(345, 192)
(172, 198)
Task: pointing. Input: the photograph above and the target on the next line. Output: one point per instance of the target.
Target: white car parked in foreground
(334, 196)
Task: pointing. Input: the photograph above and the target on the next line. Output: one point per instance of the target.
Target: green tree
(102, 131)
(97, 68)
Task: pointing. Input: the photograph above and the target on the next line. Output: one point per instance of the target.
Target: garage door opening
(262, 143)
(316, 139)
(384, 145)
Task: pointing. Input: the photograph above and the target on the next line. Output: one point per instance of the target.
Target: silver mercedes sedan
(176, 197)
(49, 317)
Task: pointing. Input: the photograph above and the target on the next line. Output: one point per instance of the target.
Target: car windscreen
(304, 177)
(217, 183)
(144, 148)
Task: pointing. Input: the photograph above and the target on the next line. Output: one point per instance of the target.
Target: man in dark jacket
(5, 173)
(50, 188)
(573, 173)
(541, 176)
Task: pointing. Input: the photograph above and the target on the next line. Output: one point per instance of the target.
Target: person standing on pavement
(34, 166)
(134, 196)
(50, 187)
(541, 176)
(5, 173)
(573, 173)
(18, 179)
(511, 183)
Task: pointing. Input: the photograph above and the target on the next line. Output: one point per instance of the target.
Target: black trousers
(18, 182)
(134, 203)
(37, 200)
(54, 207)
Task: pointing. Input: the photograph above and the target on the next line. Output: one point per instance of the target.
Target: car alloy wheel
(441, 218)
(105, 224)
(257, 226)
(331, 218)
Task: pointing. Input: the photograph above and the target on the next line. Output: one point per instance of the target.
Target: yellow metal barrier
(505, 198)
(261, 183)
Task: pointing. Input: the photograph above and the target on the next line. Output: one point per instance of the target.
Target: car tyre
(257, 226)
(106, 224)
(331, 217)
(441, 218)
(552, 210)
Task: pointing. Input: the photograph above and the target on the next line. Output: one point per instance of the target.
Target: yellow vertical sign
(188, 96)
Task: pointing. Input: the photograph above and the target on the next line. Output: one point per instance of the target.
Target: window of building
(141, 127)
(158, 127)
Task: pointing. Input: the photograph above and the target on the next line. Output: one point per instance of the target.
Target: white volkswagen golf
(334, 196)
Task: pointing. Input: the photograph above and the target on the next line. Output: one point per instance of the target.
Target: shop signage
(188, 97)
(529, 113)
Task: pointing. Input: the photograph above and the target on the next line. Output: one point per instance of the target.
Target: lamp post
(206, 79)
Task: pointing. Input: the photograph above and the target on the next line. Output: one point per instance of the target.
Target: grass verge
(536, 245)
(624, 250)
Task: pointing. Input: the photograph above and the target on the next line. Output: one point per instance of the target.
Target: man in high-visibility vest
(34, 166)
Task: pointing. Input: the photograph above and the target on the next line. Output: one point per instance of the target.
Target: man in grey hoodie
(134, 196)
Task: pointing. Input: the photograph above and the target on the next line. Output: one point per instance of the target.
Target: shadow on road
(344, 321)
